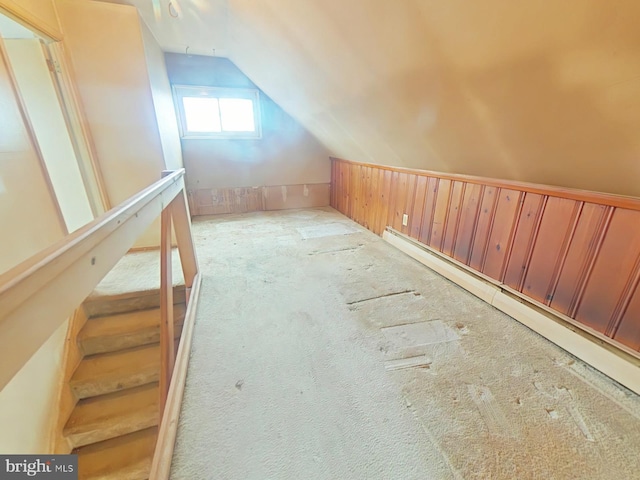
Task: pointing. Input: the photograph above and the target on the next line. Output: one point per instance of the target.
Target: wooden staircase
(113, 426)
(118, 354)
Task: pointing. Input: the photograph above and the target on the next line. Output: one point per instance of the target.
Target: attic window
(211, 112)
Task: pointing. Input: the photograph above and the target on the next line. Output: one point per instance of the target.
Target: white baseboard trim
(616, 364)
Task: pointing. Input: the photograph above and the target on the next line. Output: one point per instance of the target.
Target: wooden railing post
(167, 345)
(173, 376)
(182, 228)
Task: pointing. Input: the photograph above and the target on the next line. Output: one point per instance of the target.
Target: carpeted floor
(301, 368)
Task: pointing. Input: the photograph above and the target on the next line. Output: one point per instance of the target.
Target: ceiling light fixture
(174, 9)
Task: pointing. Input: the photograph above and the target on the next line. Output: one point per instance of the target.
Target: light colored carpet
(292, 373)
(138, 272)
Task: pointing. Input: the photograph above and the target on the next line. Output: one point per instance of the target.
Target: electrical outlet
(405, 219)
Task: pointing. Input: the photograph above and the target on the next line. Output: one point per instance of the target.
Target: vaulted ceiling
(541, 91)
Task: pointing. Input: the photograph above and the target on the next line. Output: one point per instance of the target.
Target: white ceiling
(545, 92)
(201, 25)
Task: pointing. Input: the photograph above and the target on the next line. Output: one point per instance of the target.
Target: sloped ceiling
(541, 91)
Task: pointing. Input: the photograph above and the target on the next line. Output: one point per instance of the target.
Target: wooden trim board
(163, 455)
(617, 364)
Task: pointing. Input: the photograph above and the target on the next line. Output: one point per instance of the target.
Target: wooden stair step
(101, 305)
(123, 458)
(125, 330)
(110, 372)
(108, 416)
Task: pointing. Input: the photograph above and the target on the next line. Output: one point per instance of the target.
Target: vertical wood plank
(400, 203)
(556, 227)
(582, 247)
(429, 207)
(391, 210)
(339, 185)
(179, 213)
(377, 200)
(453, 216)
(408, 203)
(167, 352)
(628, 332)
(485, 219)
(344, 180)
(346, 201)
(362, 194)
(502, 229)
(400, 190)
(386, 197)
(336, 186)
(355, 189)
(332, 201)
(612, 272)
(415, 220)
(524, 235)
(440, 213)
(468, 220)
(368, 206)
(354, 176)
(338, 197)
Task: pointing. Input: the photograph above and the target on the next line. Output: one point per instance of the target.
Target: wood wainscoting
(573, 252)
(214, 201)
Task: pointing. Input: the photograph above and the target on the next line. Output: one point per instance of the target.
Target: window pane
(201, 114)
(237, 115)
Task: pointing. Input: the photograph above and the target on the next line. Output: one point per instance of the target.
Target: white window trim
(180, 91)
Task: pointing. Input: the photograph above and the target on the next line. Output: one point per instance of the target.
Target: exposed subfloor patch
(326, 230)
(338, 357)
(418, 334)
(420, 361)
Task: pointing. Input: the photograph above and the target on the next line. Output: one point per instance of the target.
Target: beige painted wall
(107, 52)
(26, 402)
(30, 223)
(545, 92)
(285, 155)
(162, 101)
(42, 104)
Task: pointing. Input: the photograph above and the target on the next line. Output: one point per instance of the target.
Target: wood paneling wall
(574, 252)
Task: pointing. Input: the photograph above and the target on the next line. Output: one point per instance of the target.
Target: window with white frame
(213, 112)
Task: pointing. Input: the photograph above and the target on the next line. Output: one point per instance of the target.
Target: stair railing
(42, 292)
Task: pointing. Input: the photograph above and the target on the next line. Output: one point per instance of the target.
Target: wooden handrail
(610, 199)
(39, 294)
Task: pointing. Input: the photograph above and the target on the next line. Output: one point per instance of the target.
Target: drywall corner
(162, 100)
